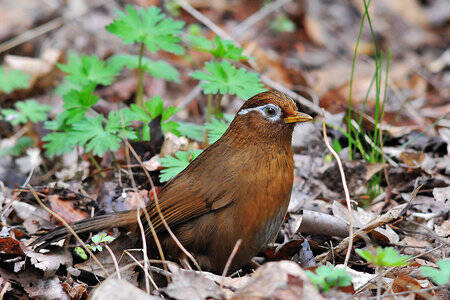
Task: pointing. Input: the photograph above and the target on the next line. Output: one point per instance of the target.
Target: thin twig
(4, 289)
(142, 267)
(344, 184)
(256, 17)
(31, 34)
(230, 259)
(116, 264)
(70, 229)
(409, 292)
(205, 20)
(144, 249)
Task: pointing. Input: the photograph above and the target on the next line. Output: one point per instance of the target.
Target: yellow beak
(298, 117)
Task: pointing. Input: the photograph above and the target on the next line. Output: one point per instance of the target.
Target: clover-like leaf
(149, 26)
(440, 276)
(174, 165)
(13, 80)
(385, 257)
(25, 111)
(327, 277)
(223, 77)
(158, 69)
(88, 71)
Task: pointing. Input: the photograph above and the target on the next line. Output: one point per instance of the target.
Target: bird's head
(269, 114)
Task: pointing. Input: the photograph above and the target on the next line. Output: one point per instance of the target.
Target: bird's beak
(298, 117)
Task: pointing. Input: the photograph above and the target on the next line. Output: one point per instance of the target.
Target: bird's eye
(270, 111)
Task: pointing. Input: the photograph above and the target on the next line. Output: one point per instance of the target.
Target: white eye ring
(270, 111)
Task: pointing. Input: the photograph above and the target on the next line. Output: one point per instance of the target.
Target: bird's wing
(204, 186)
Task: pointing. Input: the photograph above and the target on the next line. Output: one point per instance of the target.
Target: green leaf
(21, 144)
(158, 69)
(25, 111)
(327, 277)
(194, 29)
(216, 128)
(440, 276)
(88, 71)
(97, 138)
(223, 77)
(149, 26)
(77, 103)
(58, 143)
(385, 257)
(80, 252)
(282, 24)
(220, 48)
(154, 107)
(174, 165)
(192, 130)
(13, 80)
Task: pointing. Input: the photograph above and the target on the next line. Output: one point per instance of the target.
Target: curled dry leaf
(119, 290)
(66, 209)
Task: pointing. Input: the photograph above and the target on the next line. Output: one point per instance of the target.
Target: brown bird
(238, 188)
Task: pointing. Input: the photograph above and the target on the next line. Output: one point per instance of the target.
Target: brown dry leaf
(415, 246)
(49, 263)
(411, 158)
(37, 286)
(66, 209)
(373, 169)
(10, 246)
(119, 290)
(443, 230)
(188, 285)
(75, 290)
(278, 280)
(405, 283)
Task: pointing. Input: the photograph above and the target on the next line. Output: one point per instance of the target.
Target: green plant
(13, 80)
(327, 277)
(282, 24)
(175, 164)
(26, 111)
(153, 108)
(219, 48)
(384, 257)
(98, 240)
(440, 276)
(149, 27)
(371, 150)
(223, 77)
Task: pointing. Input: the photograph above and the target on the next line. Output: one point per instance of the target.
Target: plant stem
(140, 88)
(209, 112)
(355, 54)
(95, 163)
(219, 101)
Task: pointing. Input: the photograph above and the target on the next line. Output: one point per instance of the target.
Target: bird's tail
(120, 219)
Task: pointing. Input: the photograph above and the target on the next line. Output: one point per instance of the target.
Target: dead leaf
(50, 262)
(278, 280)
(119, 290)
(66, 209)
(188, 285)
